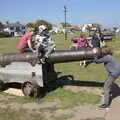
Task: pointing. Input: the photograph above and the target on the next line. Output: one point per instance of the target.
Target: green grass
(8, 44)
(92, 76)
(69, 99)
(7, 114)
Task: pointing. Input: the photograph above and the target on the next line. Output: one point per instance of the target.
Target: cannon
(25, 68)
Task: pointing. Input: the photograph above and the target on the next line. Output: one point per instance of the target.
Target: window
(23, 27)
(11, 28)
(17, 29)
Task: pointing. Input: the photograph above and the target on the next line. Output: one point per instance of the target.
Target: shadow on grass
(69, 80)
(115, 91)
(64, 81)
(11, 85)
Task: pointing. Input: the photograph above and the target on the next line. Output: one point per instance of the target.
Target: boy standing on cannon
(43, 43)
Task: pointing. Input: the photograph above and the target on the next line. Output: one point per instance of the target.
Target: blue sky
(105, 12)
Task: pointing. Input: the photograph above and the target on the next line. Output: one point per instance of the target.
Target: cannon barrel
(7, 58)
(70, 55)
(55, 57)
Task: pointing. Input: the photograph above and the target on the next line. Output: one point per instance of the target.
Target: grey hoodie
(110, 64)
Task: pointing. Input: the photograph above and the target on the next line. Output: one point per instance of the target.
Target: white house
(85, 26)
(15, 29)
(57, 29)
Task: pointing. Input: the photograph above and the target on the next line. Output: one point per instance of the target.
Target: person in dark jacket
(113, 69)
(96, 40)
(95, 43)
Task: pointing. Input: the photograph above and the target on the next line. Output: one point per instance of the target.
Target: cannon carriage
(25, 68)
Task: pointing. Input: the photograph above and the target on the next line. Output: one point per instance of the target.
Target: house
(57, 28)
(91, 26)
(73, 28)
(15, 29)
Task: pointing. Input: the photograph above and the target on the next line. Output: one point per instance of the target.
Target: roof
(14, 25)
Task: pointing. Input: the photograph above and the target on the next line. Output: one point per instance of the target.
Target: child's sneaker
(46, 56)
(104, 106)
(80, 63)
(42, 60)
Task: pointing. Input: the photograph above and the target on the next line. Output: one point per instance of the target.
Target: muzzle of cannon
(24, 68)
(70, 55)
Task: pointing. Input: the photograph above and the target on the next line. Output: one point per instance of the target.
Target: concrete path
(94, 113)
(114, 112)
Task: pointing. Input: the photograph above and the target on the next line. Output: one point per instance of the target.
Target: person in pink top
(25, 44)
(82, 42)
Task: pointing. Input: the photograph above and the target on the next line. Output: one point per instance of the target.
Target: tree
(30, 25)
(67, 24)
(43, 22)
(88, 28)
(17, 22)
(1, 26)
(97, 26)
(7, 22)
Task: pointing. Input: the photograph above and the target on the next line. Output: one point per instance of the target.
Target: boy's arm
(102, 60)
(30, 45)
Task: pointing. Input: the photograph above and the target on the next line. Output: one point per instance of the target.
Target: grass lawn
(92, 75)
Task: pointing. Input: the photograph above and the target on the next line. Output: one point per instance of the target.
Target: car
(107, 35)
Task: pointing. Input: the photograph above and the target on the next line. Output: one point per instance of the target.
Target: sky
(104, 12)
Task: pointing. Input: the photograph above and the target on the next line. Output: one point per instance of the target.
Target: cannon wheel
(1, 85)
(30, 89)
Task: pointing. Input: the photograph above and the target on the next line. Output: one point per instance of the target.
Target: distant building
(75, 28)
(15, 29)
(92, 26)
(57, 28)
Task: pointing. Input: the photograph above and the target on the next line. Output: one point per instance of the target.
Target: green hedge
(4, 34)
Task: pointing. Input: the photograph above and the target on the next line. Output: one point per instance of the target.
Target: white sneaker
(42, 60)
(80, 63)
(46, 56)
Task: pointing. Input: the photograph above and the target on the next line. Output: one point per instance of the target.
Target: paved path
(92, 113)
(114, 112)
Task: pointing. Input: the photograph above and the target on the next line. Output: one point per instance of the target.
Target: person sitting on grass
(82, 44)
